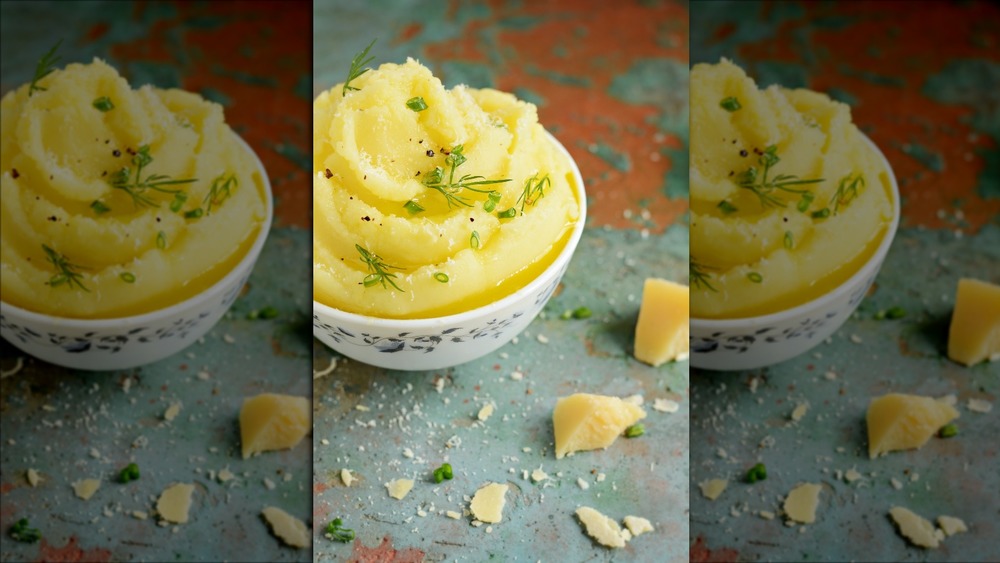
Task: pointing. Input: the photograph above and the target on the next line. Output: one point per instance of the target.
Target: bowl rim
(490, 308)
(195, 301)
(847, 285)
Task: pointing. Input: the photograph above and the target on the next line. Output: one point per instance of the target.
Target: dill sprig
(763, 187)
(66, 271)
(699, 276)
(378, 270)
(357, 63)
(534, 189)
(220, 191)
(847, 190)
(46, 65)
(136, 188)
(450, 189)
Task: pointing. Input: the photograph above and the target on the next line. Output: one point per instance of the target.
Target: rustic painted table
(69, 425)
(922, 82)
(610, 82)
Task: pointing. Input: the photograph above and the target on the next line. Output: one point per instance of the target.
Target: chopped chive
(178, 201)
(474, 239)
(581, 313)
(730, 104)
(104, 104)
(821, 214)
(896, 312)
(755, 277)
(129, 473)
(507, 214)
(727, 207)
(441, 277)
(127, 277)
(336, 532)
(268, 312)
(99, 207)
(413, 207)
(161, 240)
(756, 473)
(805, 202)
(789, 240)
(948, 430)
(493, 198)
(194, 213)
(22, 533)
(443, 473)
(566, 315)
(416, 104)
(635, 431)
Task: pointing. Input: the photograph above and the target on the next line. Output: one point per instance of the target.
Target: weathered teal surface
(645, 476)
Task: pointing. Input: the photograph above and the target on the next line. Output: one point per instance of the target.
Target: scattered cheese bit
(225, 475)
(602, 529)
(638, 525)
(539, 475)
(140, 514)
(175, 502)
(85, 488)
(362, 408)
(951, 525)
(327, 371)
(601, 477)
(485, 412)
(33, 477)
(488, 502)
(902, 422)
(799, 412)
(800, 505)
(661, 333)
(172, 411)
(346, 477)
(665, 405)
(286, 527)
(766, 514)
(636, 400)
(516, 375)
(398, 488)
(920, 532)
(583, 484)
(587, 422)
(896, 483)
(974, 334)
(453, 515)
(269, 484)
(979, 405)
(712, 488)
(852, 475)
(273, 422)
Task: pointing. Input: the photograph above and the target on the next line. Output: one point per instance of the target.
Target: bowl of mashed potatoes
(443, 218)
(131, 218)
(793, 212)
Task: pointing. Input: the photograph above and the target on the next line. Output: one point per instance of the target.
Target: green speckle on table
(161, 75)
(929, 158)
(650, 81)
(216, 96)
(529, 95)
(676, 183)
(842, 96)
(786, 75)
(246, 77)
(292, 152)
(472, 74)
(303, 87)
(558, 77)
(617, 159)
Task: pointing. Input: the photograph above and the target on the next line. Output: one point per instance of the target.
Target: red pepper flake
(430, 152)
(328, 173)
(14, 174)
(445, 152)
(130, 151)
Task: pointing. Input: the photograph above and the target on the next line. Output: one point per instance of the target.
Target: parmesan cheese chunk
(175, 503)
(800, 505)
(286, 527)
(33, 477)
(712, 488)
(903, 422)
(588, 422)
(399, 488)
(602, 529)
(638, 525)
(488, 502)
(85, 488)
(273, 422)
(920, 532)
(951, 525)
(172, 411)
(346, 477)
(662, 331)
(485, 412)
(974, 334)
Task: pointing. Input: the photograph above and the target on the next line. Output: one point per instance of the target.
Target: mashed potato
(788, 199)
(430, 201)
(117, 201)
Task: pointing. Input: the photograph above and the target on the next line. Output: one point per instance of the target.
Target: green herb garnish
(379, 270)
(44, 68)
(441, 277)
(99, 207)
(948, 430)
(220, 191)
(534, 189)
(698, 275)
(104, 104)
(805, 202)
(416, 103)
(435, 179)
(846, 191)
(821, 214)
(442, 473)
(161, 240)
(507, 214)
(581, 313)
(755, 277)
(727, 207)
(336, 532)
(789, 240)
(65, 270)
(268, 312)
(492, 199)
(136, 188)
(194, 213)
(635, 431)
(758, 182)
(22, 533)
(178, 201)
(730, 104)
(896, 312)
(127, 277)
(129, 473)
(756, 473)
(474, 239)
(413, 207)
(357, 62)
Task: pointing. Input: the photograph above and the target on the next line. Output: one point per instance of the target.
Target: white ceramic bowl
(753, 342)
(441, 342)
(127, 342)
